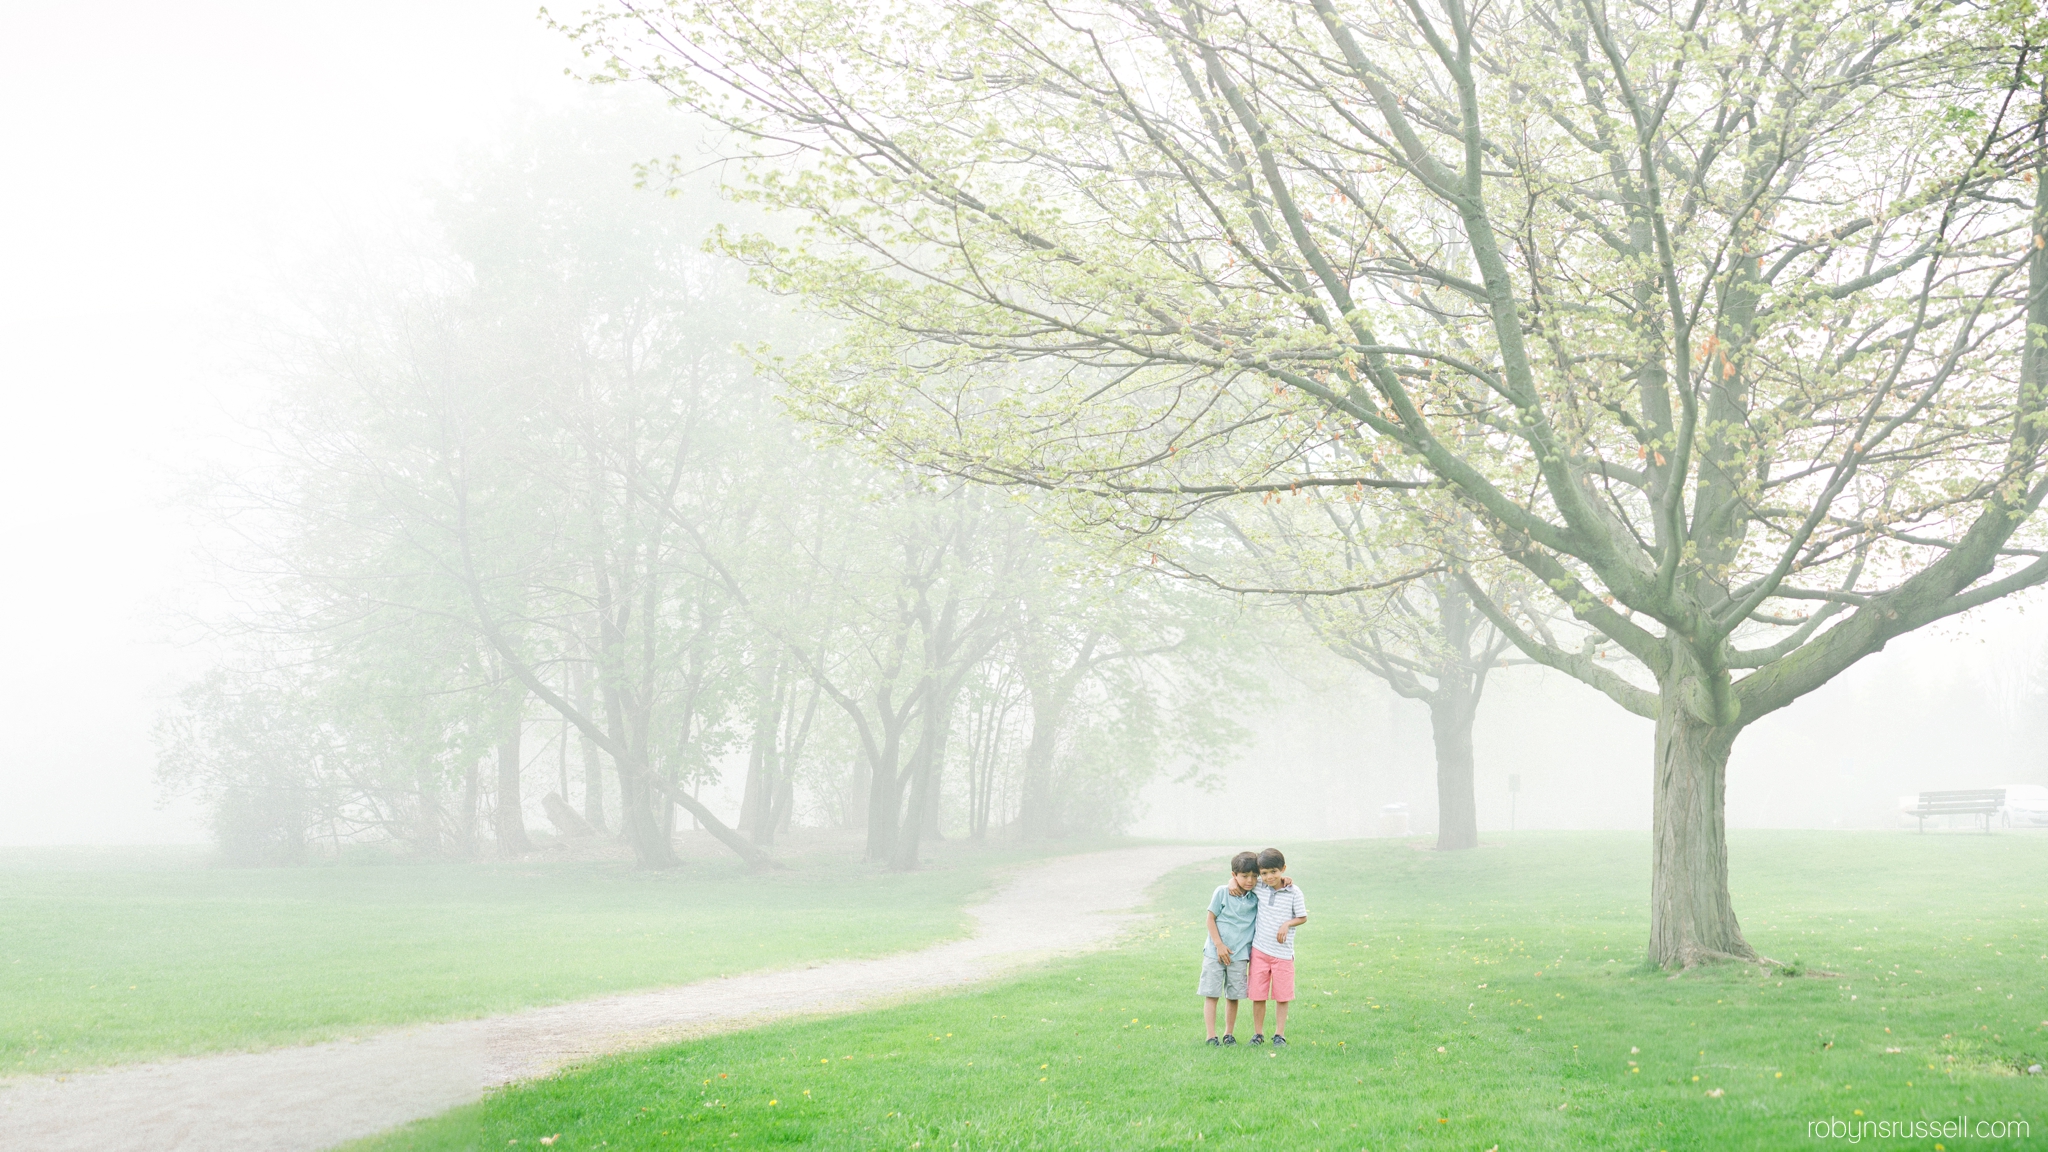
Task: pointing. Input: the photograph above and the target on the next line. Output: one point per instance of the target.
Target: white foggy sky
(162, 166)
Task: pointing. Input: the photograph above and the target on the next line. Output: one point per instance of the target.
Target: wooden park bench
(1984, 802)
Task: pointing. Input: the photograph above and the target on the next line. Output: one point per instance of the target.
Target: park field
(1494, 999)
(116, 955)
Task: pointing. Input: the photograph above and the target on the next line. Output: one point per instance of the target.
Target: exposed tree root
(1695, 956)
(1692, 956)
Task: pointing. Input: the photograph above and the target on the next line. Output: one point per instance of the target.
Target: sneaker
(1258, 1037)
(1229, 1041)
(1279, 1040)
(1215, 1043)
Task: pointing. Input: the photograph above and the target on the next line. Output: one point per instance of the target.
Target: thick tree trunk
(594, 807)
(977, 800)
(885, 803)
(790, 754)
(933, 799)
(471, 790)
(911, 833)
(427, 819)
(757, 813)
(1450, 721)
(782, 813)
(980, 739)
(1692, 918)
(1038, 816)
(985, 792)
(935, 787)
(593, 763)
(562, 766)
(509, 822)
(853, 807)
(757, 802)
(1038, 808)
(926, 764)
(651, 847)
(761, 817)
(645, 828)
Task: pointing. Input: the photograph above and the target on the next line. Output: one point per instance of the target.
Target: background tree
(1110, 658)
(1384, 587)
(916, 595)
(521, 492)
(339, 719)
(470, 447)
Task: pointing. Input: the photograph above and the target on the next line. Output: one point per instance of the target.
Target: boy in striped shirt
(1282, 909)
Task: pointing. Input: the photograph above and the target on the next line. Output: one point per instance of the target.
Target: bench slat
(1985, 802)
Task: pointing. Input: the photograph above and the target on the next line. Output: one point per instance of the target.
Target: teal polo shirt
(1236, 917)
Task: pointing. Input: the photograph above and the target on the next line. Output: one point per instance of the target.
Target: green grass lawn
(1491, 999)
(110, 956)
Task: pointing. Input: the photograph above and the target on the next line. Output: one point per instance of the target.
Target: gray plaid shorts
(1225, 982)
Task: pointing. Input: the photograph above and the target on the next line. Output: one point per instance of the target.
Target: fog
(1950, 709)
(166, 167)
(172, 169)
(751, 601)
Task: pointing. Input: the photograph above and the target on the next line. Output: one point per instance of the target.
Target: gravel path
(314, 1097)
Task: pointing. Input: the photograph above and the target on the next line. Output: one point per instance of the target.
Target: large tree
(1724, 320)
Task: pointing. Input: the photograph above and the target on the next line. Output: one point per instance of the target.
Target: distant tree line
(528, 521)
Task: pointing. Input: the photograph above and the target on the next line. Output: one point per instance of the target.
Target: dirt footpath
(321, 1095)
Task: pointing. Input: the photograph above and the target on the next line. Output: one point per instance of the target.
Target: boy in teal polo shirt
(1226, 955)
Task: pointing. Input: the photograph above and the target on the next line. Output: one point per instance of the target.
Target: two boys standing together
(1250, 951)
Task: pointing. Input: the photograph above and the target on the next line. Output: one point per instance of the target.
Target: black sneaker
(1215, 1043)
(1229, 1041)
(1279, 1040)
(1258, 1037)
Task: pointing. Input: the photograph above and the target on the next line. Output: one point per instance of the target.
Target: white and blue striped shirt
(1275, 909)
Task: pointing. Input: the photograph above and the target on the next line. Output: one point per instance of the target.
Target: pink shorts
(1270, 978)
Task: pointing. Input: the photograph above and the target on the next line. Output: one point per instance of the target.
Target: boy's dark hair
(1244, 862)
(1272, 858)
